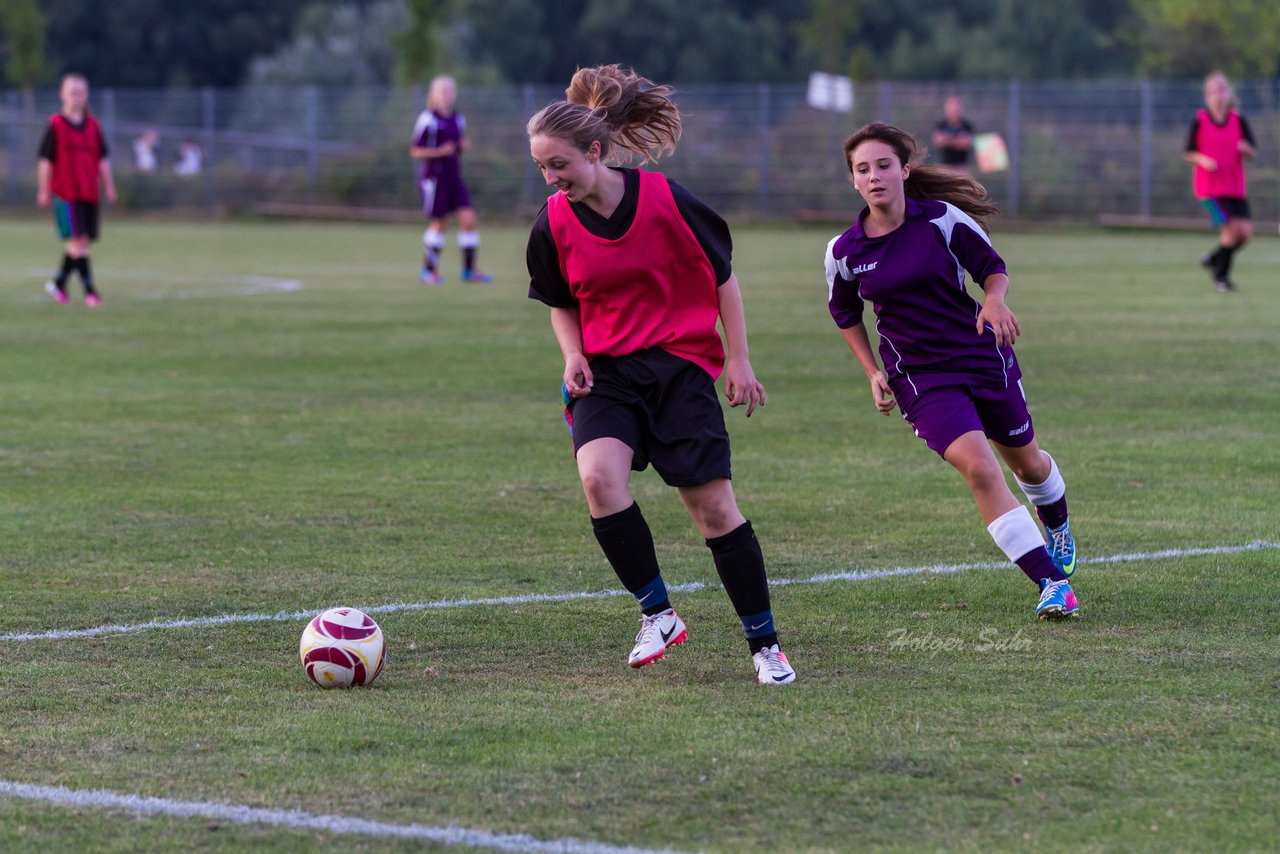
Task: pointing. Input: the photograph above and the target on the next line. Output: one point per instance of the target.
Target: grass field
(196, 449)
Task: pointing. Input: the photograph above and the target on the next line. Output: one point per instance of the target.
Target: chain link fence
(1078, 150)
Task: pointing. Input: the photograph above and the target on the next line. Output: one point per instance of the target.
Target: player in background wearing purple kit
(1219, 143)
(948, 359)
(439, 139)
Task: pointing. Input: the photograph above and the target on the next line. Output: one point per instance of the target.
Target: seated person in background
(190, 158)
(144, 151)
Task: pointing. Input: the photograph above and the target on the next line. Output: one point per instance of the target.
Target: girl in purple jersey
(439, 139)
(948, 359)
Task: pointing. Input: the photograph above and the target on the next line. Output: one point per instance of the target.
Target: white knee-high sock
(432, 243)
(1016, 533)
(1050, 490)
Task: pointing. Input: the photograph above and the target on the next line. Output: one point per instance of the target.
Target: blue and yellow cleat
(1057, 601)
(1062, 548)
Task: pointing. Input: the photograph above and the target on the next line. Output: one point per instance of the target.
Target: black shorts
(1224, 209)
(75, 219)
(663, 407)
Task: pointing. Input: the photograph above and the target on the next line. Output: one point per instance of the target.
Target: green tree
(416, 43)
(669, 40)
(830, 37)
(162, 43)
(336, 45)
(22, 27)
(1187, 38)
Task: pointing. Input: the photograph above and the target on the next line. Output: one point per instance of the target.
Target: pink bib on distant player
(1222, 143)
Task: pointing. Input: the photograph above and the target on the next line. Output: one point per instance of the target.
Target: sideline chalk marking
(528, 598)
(450, 835)
(245, 285)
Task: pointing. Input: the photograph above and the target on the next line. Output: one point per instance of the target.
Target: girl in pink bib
(1219, 143)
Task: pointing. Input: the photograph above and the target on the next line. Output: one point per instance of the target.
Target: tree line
(224, 43)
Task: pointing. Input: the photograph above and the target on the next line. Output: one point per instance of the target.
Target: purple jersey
(433, 130)
(914, 278)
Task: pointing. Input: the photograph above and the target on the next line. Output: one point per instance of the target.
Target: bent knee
(602, 487)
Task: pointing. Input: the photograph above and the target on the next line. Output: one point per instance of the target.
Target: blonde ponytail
(616, 107)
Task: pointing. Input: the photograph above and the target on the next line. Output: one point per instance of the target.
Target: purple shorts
(942, 415)
(443, 196)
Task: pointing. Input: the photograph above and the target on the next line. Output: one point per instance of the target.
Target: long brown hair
(616, 107)
(926, 181)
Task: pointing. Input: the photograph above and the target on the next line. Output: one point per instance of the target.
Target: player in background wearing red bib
(636, 271)
(73, 160)
(1219, 144)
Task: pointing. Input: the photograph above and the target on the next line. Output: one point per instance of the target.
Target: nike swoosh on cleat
(666, 636)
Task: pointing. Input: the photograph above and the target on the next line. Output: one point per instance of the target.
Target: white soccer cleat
(772, 667)
(657, 632)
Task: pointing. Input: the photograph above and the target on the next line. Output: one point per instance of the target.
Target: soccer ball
(341, 648)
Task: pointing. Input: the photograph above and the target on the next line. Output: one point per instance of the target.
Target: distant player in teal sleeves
(72, 175)
(948, 359)
(1218, 145)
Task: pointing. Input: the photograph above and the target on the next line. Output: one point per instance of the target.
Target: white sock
(1053, 487)
(433, 240)
(1016, 533)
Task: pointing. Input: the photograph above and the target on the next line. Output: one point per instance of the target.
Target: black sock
(740, 565)
(1225, 254)
(86, 274)
(627, 544)
(469, 258)
(68, 264)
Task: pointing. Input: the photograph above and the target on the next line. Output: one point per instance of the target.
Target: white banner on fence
(830, 92)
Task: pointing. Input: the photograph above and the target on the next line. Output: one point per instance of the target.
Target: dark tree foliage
(162, 43)
(214, 42)
(708, 40)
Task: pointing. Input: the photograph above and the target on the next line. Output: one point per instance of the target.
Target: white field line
(244, 286)
(528, 598)
(449, 835)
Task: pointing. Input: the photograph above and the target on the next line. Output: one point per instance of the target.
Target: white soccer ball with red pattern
(342, 648)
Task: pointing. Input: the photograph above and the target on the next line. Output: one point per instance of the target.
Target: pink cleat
(93, 300)
(59, 295)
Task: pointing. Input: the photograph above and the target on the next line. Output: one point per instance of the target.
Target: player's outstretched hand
(998, 316)
(741, 385)
(882, 394)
